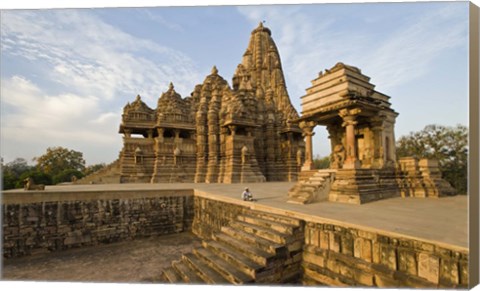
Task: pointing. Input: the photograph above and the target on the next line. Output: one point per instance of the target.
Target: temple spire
(214, 70)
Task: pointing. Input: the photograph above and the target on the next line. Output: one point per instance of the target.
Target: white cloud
(86, 70)
(92, 57)
(34, 120)
(309, 43)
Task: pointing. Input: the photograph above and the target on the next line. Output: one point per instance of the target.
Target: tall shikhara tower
(219, 134)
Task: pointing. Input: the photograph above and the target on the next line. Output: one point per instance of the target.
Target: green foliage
(66, 176)
(9, 179)
(37, 176)
(321, 163)
(448, 145)
(12, 171)
(58, 159)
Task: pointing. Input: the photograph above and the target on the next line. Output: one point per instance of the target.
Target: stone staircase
(315, 188)
(106, 175)
(255, 248)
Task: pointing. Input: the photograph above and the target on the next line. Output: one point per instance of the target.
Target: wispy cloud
(310, 42)
(95, 68)
(93, 57)
(33, 120)
(394, 49)
(151, 15)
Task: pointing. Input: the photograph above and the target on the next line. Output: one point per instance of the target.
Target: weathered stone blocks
(56, 225)
(371, 259)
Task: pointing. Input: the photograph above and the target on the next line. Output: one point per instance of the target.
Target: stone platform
(443, 221)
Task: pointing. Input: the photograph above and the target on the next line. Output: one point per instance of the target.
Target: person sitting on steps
(247, 195)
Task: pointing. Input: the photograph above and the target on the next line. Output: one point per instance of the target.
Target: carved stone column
(378, 128)
(307, 128)
(349, 121)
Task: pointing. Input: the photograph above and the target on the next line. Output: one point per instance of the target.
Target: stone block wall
(210, 215)
(285, 265)
(35, 226)
(327, 254)
(339, 256)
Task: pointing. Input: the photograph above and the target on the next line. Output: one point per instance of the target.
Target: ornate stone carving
(215, 124)
(29, 185)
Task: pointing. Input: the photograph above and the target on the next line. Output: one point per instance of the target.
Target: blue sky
(67, 73)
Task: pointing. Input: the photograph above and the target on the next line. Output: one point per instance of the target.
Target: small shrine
(363, 163)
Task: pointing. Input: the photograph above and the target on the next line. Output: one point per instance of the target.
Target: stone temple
(219, 134)
(250, 132)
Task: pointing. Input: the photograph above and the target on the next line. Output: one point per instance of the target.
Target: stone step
(297, 200)
(263, 244)
(274, 217)
(242, 262)
(186, 273)
(304, 194)
(277, 226)
(317, 179)
(228, 271)
(209, 275)
(171, 276)
(255, 254)
(261, 231)
(309, 186)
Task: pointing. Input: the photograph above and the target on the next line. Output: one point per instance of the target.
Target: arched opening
(321, 148)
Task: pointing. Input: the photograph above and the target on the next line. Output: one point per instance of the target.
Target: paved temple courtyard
(134, 261)
(442, 220)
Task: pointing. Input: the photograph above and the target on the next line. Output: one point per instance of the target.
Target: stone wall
(336, 255)
(330, 254)
(210, 215)
(74, 220)
(340, 256)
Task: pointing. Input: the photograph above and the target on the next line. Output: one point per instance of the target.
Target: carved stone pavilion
(250, 132)
(363, 163)
(219, 134)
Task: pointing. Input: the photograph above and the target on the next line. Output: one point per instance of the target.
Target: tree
(58, 159)
(18, 166)
(12, 172)
(66, 176)
(321, 163)
(448, 145)
(37, 176)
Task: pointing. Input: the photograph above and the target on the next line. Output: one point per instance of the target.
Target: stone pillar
(307, 128)
(201, 132)
(213, 138)
(160, 134)
(378, 129)
(177, 135)
(349, 121)
(332, 136)
(270, 150)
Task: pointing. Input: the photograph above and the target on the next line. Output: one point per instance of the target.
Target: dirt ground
(133, 261)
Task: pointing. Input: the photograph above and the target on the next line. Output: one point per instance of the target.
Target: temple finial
(214, 70)
(170, 86)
